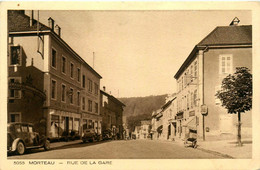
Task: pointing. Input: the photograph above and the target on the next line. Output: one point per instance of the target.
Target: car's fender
(15, 142)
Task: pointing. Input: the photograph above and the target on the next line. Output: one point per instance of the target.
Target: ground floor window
(85, 124)
(15, 117)
(90, 124)
(70, 124)
(55, 129)
(76, 125)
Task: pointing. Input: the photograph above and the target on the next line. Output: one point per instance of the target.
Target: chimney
(235, 22)
(104, 88)
(31, 18)
(51, 23)
(58, 30)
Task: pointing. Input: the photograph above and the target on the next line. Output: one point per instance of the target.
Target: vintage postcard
(130, 85)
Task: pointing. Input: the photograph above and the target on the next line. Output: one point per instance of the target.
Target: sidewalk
(228, 148)
(63, 143)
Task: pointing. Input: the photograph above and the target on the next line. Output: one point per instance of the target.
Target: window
(17, 128)
(53, 89)
(24, 128)
(191, 100)
(182, 83)
(71, 70)
(78, 98)
(63, 65)
(78, 73)
(83, 81)
(90, 124)
(225, 64)
(188, 101)
(195, 98)
(195, 69)
(30, 128)
(96, 107)
(14, 93)
(83, 103)
(185, 79)
(96, 89)
(89, 105)
(89, 85)
(15, 55)
(53, 58)
(63, 93)
(15, 117)
(71, 95)
(191, 71)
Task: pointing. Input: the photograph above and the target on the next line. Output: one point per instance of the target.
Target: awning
(191, 123)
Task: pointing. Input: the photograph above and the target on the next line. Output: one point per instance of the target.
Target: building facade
(111, 111)
(145, 129)
(67, 88)
(163, 123)
(200, 77)
(137, 131)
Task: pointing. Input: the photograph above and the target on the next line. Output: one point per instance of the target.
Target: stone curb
(215, 153)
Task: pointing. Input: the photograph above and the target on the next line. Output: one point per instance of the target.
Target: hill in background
(141, 108)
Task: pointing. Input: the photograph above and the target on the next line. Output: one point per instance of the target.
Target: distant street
(119, 149)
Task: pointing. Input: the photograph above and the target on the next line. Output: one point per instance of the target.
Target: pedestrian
(124, 134)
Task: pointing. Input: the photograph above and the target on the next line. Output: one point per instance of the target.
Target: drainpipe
(203, 116)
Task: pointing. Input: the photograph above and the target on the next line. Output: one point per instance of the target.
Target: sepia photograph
(92, 86)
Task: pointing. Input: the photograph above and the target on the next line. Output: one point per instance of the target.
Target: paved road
(120, 149)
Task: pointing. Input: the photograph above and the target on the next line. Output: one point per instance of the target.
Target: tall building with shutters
(200, 77)
(50, 85)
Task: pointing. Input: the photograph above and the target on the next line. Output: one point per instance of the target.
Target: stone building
(145, 129)
(201, 75)
(111, 111)
(50, 85)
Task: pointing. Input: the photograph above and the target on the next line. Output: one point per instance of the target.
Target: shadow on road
(66, 146)
(243, 142)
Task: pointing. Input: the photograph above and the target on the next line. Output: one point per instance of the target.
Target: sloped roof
(18, 21)
(221, 36)
(229, 35)
(113, 98)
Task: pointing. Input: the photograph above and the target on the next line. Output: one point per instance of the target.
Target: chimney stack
(51, 23)
(235, 21)
(104, 88)
(58, 30)
(31, 18)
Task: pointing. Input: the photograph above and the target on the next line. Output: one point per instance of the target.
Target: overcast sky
(138, 52)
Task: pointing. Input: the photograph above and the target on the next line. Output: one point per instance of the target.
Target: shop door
(169, 132)
(66, 126)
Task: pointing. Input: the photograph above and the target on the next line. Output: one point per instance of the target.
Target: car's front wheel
(47, 145)
(20, 148)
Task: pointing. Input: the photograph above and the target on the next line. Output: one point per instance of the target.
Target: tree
(236, 94)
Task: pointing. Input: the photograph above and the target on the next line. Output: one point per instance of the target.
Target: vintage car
(21, 136)
(90, 135)
(107, 134)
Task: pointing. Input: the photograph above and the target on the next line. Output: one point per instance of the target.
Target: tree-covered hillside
(141, 108)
